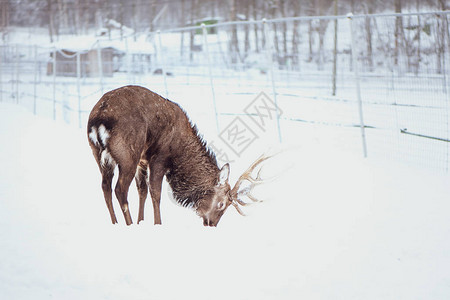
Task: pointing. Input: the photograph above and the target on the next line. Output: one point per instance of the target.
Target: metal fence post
(54, 83)
(358, 88)
(269, 51)
(36, 70)
(211, 82)
(128, 62)
(335, 38)
(79, 87)
(1, 73)
(446, 85)
(100, 65)
(16, 70)
(163, 63)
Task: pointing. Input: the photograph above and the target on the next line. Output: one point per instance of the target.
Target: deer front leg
(156, 177)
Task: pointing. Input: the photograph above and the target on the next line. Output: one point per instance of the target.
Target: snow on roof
(88, 42)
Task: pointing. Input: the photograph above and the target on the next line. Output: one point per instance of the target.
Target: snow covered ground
(331, 227)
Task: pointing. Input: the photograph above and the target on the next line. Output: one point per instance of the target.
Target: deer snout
(208, 222)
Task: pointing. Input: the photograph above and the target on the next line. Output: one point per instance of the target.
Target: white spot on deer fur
(125, 208)
(136, 175)
(138, 170)
(106, 159)
(93, 135)
(103, 134)
(170, 194)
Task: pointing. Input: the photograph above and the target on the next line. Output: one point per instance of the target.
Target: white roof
(88, 42)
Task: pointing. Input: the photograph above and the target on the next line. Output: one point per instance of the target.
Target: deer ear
(224, 173)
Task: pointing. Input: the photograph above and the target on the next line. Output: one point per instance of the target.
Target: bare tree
(4, 18)
(310, 40)
(282, 7)
(295, 35)
(443, 7)
(77, 16)
(234, 42)
(191, 32)
(418, 38)
(246, 27)
(273, 8)
(63, 14)
(183, 21)
(255, 26)
(335, 48)
(321, 8)
(441, 35)
(51, 24)
(369, 9)
(398, 34)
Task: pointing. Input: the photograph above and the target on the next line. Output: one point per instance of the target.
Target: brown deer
(149, 137)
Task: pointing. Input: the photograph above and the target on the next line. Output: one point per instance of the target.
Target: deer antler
(247, 175)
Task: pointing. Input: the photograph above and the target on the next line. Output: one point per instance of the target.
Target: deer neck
(193, 173)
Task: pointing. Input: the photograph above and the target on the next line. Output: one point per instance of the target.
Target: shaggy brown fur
(146, 135)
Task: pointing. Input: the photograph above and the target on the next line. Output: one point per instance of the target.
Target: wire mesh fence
(312, 69)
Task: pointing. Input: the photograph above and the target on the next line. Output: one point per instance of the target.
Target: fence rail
(385, 83)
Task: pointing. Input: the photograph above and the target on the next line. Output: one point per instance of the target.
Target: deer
(148, 137)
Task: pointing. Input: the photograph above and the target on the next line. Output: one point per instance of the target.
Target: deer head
(215, 202)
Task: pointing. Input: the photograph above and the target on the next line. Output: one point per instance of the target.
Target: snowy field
(332, 226)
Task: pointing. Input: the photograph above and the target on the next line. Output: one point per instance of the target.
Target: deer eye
(220, 205)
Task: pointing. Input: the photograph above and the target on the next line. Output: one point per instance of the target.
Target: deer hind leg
(126, 175)
(107, 176)
(142, 186)
(106, 165)
(157, 173)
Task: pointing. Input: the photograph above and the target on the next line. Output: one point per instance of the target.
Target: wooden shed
(66, 62)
